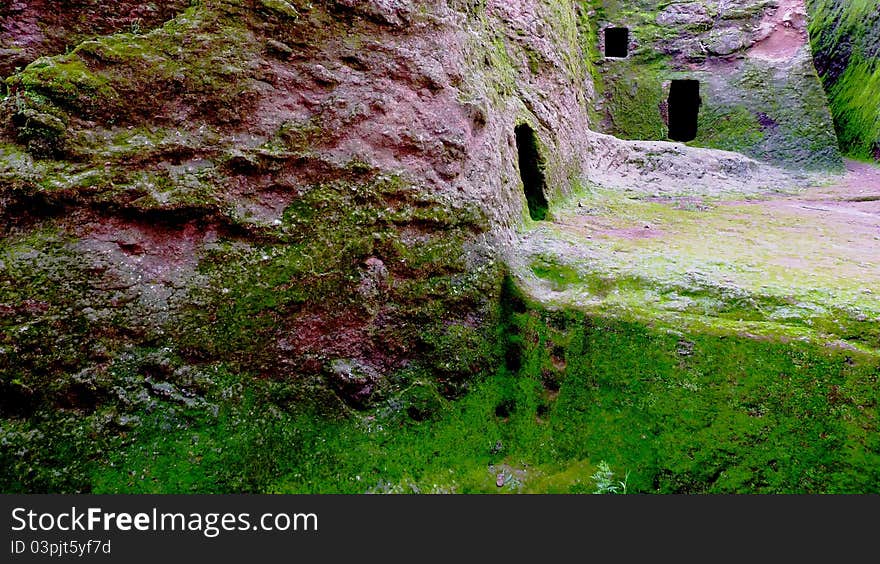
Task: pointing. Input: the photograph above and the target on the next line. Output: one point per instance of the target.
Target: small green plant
(19, 102)
(605, 482)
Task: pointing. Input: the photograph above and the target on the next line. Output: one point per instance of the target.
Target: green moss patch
(856, 108)
(127, 78)
(674, 413)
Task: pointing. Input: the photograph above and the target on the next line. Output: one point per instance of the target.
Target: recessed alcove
(617, 42)
(684, 109)
(531, 170)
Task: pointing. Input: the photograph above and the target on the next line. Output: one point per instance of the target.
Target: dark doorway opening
(684, 109)
(616, 42)
(531, 170)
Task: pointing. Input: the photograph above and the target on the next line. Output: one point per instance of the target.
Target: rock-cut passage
(684, 109)
(531, 169)
(617, 42)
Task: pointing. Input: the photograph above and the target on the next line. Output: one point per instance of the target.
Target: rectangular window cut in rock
(616, 42)
(684, 109)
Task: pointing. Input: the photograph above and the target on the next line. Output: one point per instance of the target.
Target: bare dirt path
(861, 183)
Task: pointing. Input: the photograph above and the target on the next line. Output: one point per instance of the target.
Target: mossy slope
(846, 45)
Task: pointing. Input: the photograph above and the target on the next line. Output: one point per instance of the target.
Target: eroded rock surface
(324, 197)
(759, 93)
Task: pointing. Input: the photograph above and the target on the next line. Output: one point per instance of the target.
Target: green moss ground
(678, 412)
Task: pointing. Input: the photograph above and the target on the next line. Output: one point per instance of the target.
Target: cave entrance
(684, 109)
(531, 170)
(616, 42)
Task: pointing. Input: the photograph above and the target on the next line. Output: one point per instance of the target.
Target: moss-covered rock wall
(232, 229)
(846, 43)
(312, 194)
(32, 28)
(760, 93)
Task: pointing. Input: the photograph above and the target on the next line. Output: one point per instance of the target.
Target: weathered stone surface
(256, 187)
(33, 28)
(355, 380)
(749, 56)
(687, 13)
(727, 41)
(325, 195)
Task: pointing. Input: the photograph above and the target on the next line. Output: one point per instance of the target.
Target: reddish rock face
(294, 187)
(32, 28)
(782, 32)
(313, 191)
